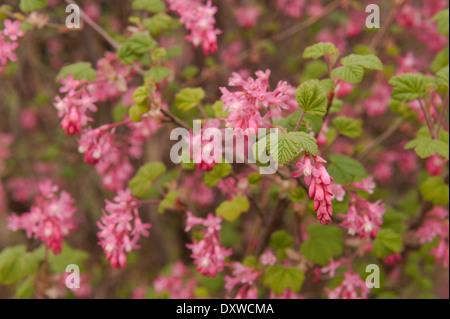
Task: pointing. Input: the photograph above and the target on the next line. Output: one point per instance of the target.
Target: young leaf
(442, 78)
(136, 48)
(158, 73)
(142, 181)
(15, 264)
(409, 86)
(311, 98)
(230, 210)
(79, 71)
(281, 239)
(351, 74)
(324, 242)
(159, 22)
(367, 61)
(188, 98)
(320, 49)
(32, 5)
(435, 190)
(168, 201)
(154, 6)
(348, 127)
(386, 243)
(218, 172)
(442, 21)
(285, 147)
(345, 170)
(280, 278)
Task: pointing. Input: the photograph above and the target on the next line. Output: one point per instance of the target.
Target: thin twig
(300, 121)
(175, 119)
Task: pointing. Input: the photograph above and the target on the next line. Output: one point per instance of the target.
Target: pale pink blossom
(352, 287)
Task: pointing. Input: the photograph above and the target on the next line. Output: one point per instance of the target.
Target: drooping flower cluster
(363, 218)
(8, 42)
(101, 149)
(206, 147)
(244, 105)
(180, 284)
(352, 287)
(111, 80)
(245, 278)
(121, 228)
(318, 180)
(377, 104)
(50, 219)
(207, 253)
(74, 106)
(436, 226)
(198, 18)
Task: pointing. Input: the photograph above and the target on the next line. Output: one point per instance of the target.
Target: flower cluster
(363, 217)
(318, 180)
(121, 228)
(111, 80)
(50, 219)
(247, 16)
(244, 106)
(436, 226)
(207, 253)
(198, 18)
(292, 8)
(352, 287)
(73, 107)
(244, 277)
(101, 149)
(8, 42)
(180, 284)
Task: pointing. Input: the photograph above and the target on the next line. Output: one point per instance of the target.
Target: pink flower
(352, 287)
(383, 171)
(331, 268)
(121, 228)
(247, 16)
(392, 259)
(207, 253)
(199, 20)
(435, 165)
(180, 284)
(367, 185)
(12, 29)
(343, 89)
(50, 219)
(318, 180)
(268, 258)
(245, 278)
(292, 8)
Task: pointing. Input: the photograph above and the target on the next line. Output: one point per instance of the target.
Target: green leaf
(348, 127)
(324, 242)
(442, 21)
(68, 255)
(281, 239)
(79, 71)
(367, 61)
(168, 201)
(142, 181)
(425, 147)
(442, 78)
(188, 98)
(345, 170)
(154, 6)
(25, 290)
(311, 98)
(435, 190)
(159, 22)
(15, 264)
(409, 86)
(280, 278)
(136, 48)
(441, 60)
(320, 49)
(386, 243)
(230, 210)
(285, 147)
(31, 5)
(394, 220)
(158, 73)
(351, 74)
(218, 172)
